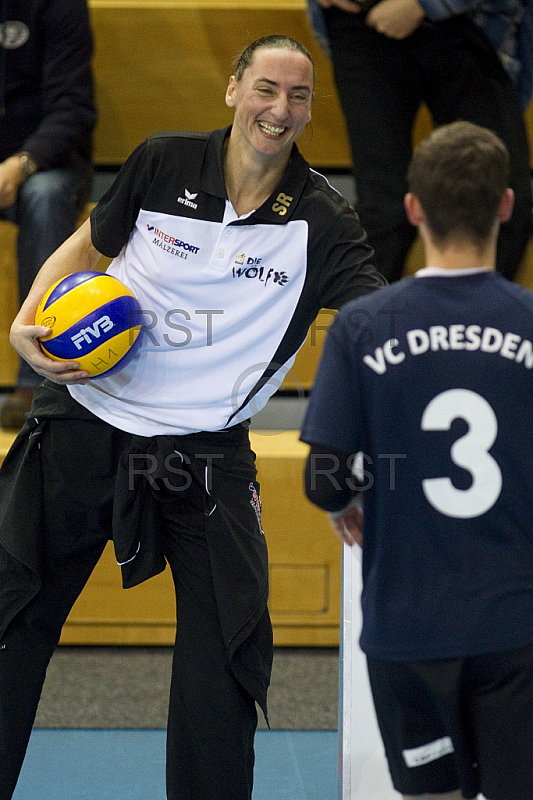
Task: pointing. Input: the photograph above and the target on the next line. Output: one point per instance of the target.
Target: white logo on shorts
(417, 756)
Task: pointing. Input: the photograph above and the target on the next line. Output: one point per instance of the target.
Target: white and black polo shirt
(227, 300)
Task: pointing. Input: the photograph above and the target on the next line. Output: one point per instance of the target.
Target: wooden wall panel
(165, 65)
(8, 302)
(305, 567)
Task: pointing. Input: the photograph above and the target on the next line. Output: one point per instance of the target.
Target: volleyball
(95, 320)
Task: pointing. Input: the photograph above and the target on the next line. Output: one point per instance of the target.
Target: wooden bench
(305, 567)
(165, 64)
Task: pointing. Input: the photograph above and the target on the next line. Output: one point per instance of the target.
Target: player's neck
(460, 255)
(250, 181)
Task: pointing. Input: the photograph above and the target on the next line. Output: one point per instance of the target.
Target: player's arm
(76, 254)
(332, 427)
(331, 485)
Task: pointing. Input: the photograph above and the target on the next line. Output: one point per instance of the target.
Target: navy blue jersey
(432, 380)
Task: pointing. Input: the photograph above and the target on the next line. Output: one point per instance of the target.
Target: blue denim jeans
(46, 213)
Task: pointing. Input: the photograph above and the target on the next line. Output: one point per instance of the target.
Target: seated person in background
(46, 125)
(434, 392)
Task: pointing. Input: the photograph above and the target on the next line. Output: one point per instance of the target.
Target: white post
(364, 773)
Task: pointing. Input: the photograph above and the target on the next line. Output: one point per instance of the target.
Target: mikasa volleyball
(95, 320)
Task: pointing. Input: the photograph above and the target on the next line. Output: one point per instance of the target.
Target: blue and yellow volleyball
(95, 320)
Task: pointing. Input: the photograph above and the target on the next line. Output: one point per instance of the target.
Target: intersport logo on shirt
(171, 244)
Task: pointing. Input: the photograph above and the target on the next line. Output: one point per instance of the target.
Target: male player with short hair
(431, 381)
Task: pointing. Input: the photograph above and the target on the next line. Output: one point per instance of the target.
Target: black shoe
(14, 409)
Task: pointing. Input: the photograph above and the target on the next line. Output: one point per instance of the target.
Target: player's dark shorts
(458, 723)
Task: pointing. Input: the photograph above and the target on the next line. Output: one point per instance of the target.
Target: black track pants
(212, 718)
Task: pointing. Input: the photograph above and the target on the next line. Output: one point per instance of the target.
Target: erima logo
(188, 199)
(102, 325)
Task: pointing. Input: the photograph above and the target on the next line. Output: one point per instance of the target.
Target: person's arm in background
(396, 19)
(393, 18)
(12, 176)
(69, 113)
(350, 6)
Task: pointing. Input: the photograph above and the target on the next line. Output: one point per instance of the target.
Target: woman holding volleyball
(231, 245)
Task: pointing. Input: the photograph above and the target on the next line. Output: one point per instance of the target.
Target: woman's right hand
(24, 337)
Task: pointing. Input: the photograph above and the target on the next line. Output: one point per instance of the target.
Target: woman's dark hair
(275, 41)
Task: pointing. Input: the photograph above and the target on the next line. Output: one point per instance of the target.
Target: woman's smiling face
(272, 101)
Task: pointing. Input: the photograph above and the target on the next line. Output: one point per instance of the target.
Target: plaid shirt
(508, 24)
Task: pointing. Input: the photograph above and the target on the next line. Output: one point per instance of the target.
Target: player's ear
(413, 209)
(230, 92)
(506, 205)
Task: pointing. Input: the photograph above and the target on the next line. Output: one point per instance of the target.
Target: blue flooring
(130, 765)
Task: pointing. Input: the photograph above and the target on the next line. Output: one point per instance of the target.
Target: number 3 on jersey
(469, 452)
